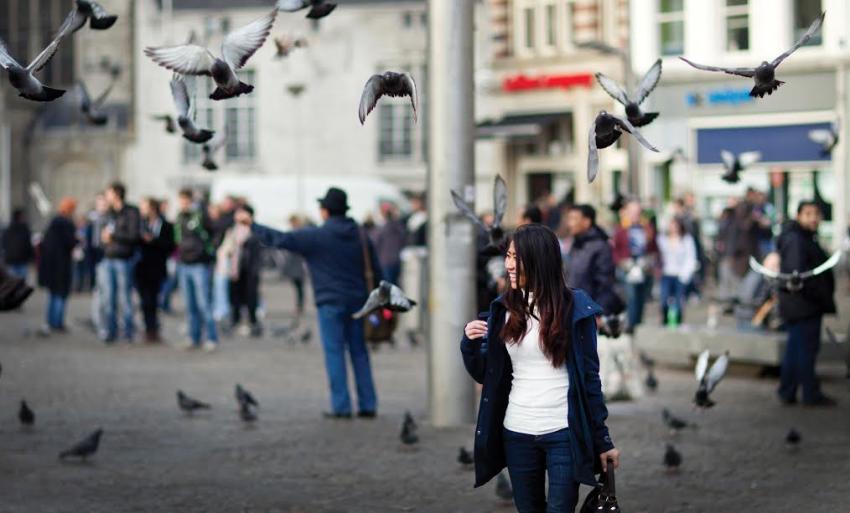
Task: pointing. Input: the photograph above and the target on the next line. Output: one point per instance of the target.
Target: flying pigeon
(765, 74)
(91, 11)
(794, 281)
(85, 448)
(189, 405)
(503, 488)
(612, 325)
(604, 131)
(170, 125)
(826, 137)
(318, 8)
(500, 206)
(678, 153)
(387, 296)
(186, 112)
(91, 109)
(23, 79)
(673, 422)
(391, 84)
(285, 45)
(13, 291)
(464, 457)
(735, 164)
(709, 378)
(209, 150)
(237, 47)
(245, 397)
(672, 459)
(647, 84)
(26, 415)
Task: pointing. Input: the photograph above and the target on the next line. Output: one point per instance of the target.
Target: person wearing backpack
(195, 254)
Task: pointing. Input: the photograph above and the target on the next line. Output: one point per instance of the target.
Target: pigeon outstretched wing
(813, 29)
(184, 59)
(464, 208)
(239, 45)
(500, 201)
(613, 89)
(702, 365)
(717, 371)
(728, 159)
(625, 125)
(592, 154)
(648, 82)
(748, 158)
(741, 72)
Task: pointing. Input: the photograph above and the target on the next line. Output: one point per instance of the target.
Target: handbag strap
(369, 273)
(608, 488)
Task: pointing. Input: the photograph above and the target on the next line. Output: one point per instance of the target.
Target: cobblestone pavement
(153, 458)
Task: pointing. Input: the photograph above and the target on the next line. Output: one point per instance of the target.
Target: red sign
(525, 83)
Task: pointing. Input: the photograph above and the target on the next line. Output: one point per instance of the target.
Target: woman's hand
(613, 455)
(476, 329)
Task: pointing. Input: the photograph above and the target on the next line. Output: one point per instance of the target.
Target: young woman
(541, 409)
(679, 264)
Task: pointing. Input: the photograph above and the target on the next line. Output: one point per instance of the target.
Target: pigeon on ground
(91, 109)
(765, 74)
(503, 488)
(391, 84)
(209, 150)
(673, 422)
(23, 78)
(26, 415)
(500, 205)
(604, 131)
(408, 434)
(793, 438)
(318, 8)
(237, 47)
(635, 116)
(709, 378)
(826, 137)
(794, 281)
(735, 164)
(85, 448)
(409, 421)
(386, 296)
(186, 112)
(651, 381)
(672, 459)
(91, 11)
(464, 457)
(285, 45)
(247, 412)
(245, 397)
(306, 336)
(189, 405)
(170, 125)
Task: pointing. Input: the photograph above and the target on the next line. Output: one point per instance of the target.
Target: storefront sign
(521, 82)
(726, 96)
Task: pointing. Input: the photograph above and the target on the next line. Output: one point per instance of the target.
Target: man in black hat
(334, 253)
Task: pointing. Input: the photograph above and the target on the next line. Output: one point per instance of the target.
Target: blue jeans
(167, 289)
(392, 272)
(672, 294)
(18, 270)
(195, 282)
(636, 294)
(56, 311)
(115, 281)
(221, 296)
(798, 364)
(530, 458)
(339, 331)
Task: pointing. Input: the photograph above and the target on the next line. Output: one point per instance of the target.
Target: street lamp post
(633, 152)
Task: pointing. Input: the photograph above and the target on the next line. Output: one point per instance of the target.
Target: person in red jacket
(635, 251)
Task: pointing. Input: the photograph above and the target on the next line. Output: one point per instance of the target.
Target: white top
(678, 257)
(537, 403)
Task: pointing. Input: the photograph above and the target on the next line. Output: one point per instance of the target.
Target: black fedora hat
(335, 201)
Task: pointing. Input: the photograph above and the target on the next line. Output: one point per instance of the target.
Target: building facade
(703, 113)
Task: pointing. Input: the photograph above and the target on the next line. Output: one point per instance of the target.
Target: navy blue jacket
(487, 361)
(590, 267)
(334, 255)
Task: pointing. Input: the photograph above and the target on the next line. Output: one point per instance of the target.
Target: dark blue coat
(334, 256)
(488, 362)
(590, 267)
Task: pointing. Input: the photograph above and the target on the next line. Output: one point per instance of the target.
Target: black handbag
(603, 498)
(378, 326)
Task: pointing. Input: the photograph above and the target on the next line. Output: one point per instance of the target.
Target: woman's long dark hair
(538, 257)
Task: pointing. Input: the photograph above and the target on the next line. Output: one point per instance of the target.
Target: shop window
(671, 27)
(805, 12)
(528, 27)
(737, 25)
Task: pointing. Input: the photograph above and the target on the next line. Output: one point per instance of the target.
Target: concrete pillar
(451, 240)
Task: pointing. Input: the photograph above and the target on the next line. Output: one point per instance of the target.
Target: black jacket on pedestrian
(799, 251)
(193, 235)
(54, 264)
(151, 268)
(17, 244)
(591, 268)
(126, 233)
(487, 361)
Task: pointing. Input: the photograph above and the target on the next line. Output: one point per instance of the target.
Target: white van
(275, 198)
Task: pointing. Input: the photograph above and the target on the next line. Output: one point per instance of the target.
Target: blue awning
(783, 143)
